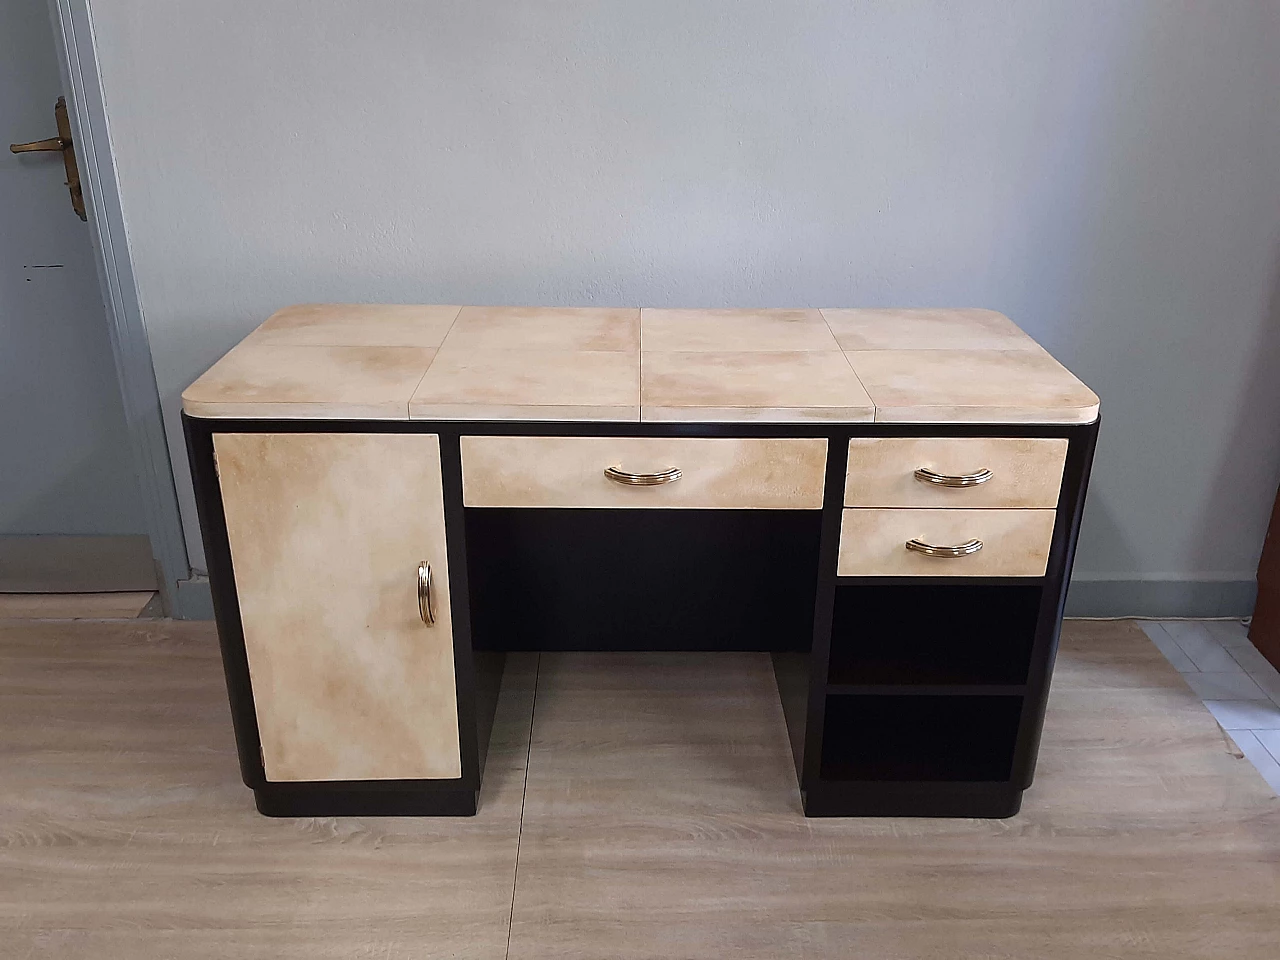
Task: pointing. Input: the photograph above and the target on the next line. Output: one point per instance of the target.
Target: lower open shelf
(920, 738)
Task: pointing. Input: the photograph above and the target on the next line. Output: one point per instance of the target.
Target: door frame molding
(130, 346)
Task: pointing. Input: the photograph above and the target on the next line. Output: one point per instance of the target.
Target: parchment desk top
(395, 362)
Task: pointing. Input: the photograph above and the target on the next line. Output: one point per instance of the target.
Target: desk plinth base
(990, 801)
(363, 800)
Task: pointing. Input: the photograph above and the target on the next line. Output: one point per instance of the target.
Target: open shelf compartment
(933, 634)
(920, 738)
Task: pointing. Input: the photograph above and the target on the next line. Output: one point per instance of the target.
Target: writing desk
(393, 497)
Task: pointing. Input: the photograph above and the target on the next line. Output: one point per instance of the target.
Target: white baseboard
(76, 564)
(193, 600)
(1159, 596)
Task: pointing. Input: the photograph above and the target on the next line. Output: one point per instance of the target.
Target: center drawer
(713, 472)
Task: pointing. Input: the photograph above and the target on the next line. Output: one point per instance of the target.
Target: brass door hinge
(62, 142)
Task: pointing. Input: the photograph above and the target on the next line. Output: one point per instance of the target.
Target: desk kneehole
(944, 543)
(724, 473)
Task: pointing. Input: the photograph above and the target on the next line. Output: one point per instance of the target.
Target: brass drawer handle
(959, 550)
(426, 605)
(925, 475)
(618, 475)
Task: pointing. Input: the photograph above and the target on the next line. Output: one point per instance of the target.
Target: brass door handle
(38, 146)
(426, 604)
(618, 475)
(930, 550)
(62, 143)
(925, 475)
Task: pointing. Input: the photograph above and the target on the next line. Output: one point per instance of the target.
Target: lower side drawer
(1013, 543)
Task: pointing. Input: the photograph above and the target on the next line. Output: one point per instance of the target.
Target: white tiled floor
(1233, 679)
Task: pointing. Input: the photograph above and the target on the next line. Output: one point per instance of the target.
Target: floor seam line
(515, 872)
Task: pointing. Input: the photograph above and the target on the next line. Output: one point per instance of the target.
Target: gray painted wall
(1108, 174)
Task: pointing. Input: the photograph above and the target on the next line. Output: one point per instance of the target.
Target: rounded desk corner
(1088, 414)
(194, 407)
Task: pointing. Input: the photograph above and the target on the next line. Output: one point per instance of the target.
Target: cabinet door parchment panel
(326, 534)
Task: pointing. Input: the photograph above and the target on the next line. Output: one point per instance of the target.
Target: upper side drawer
(1023, 471)
(715, 473)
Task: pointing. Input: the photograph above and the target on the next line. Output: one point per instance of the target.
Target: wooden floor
(651, 813)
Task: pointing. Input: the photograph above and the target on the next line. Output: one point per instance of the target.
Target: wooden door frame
(130, 346)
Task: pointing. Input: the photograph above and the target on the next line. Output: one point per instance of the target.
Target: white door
(65, 461)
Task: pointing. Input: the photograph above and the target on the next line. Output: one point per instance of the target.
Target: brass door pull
(959, 550)
(618, 475)
(62, 143)
(426, 604)
(925, 475)
(36, 146)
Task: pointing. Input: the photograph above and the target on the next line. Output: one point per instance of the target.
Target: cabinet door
(327, 532)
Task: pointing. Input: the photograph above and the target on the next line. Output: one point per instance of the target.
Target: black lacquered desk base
(903, 696)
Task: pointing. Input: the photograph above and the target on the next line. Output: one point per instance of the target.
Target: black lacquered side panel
(226, 603)
(1062, 551)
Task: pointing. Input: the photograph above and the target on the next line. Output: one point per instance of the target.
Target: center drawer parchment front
(752, 473)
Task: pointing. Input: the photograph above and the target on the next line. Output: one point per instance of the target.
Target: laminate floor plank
(662, 820)
(74, 606)
(125, 831)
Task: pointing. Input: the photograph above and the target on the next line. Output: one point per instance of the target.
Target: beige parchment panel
(724, 473)
(735, 330)
(700, 385)
(1026, 471)
(976, 386)
(358, 325)
(310, 381)
(1015, 542)
(326, 533)
(609, 329)
(933, 328)
(533, 384)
